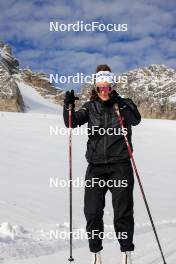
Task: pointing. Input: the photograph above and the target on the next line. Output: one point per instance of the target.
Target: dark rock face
(10, 96)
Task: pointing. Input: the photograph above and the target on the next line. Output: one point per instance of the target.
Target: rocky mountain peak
(152, 88)
(10, 96)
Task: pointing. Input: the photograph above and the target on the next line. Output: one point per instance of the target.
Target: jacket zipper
(105, 139)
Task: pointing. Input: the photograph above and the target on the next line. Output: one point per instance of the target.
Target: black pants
(122, 201)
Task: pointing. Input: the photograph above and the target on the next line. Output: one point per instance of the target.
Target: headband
(103, 78)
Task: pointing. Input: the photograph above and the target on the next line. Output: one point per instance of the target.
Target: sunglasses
(104, 89)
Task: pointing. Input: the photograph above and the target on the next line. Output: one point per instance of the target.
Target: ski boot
(126, 258)
(96, 258)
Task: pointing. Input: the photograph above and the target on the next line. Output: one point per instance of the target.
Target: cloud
(150, 38)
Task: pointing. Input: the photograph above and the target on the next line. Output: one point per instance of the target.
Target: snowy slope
(30, 209)
(34, 102)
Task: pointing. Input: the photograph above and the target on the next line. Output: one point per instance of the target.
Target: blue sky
(150, 37)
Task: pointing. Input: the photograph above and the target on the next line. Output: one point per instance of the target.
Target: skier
(108, 159)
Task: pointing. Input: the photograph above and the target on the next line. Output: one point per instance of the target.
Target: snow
(3, 54)
(30, 209)
(172, 98)
(156, 82)
(34, 102)
(9, 232)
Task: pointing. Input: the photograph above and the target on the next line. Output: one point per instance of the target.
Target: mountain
(40, 81)
(152, 88)
(11, 99)
(10, 96)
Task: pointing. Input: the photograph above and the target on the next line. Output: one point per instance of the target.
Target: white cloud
(150, 38)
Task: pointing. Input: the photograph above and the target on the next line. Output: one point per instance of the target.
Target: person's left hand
(115, 98)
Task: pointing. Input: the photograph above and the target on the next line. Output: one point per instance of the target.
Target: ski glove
(116, 98)
(70, 99)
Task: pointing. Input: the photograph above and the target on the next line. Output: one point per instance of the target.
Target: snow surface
(30, 208)
(34, 102)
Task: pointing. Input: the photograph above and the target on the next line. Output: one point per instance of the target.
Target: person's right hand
(70, 98)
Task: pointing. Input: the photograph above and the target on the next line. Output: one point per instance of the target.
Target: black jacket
(102, 149)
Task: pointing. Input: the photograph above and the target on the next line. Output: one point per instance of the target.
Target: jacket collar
(105, 103)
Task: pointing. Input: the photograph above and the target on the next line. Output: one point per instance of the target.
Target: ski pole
(139, 181)
(70, 178)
